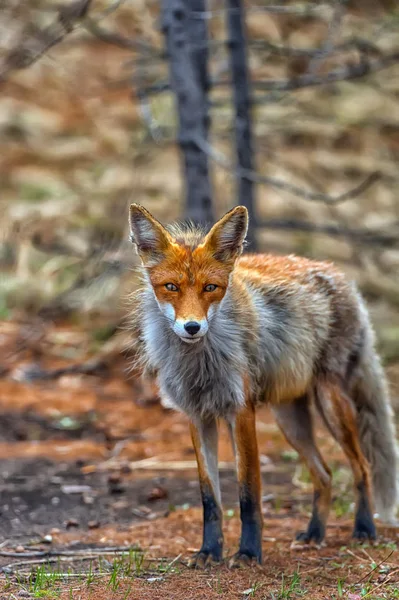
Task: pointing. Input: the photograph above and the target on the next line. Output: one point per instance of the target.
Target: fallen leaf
(157, 493)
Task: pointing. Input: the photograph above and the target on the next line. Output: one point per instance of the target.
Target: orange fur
(340, 417)
(248, 466)
(190, 272)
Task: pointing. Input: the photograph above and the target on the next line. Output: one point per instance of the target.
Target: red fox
(224, 333)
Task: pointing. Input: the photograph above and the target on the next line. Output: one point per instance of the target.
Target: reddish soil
(92, 432)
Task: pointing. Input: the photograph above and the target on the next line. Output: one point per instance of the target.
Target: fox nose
(192, 327)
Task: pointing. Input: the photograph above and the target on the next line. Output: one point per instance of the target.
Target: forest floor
(99, 497)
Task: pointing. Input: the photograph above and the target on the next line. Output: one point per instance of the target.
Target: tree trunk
(242, 103)
(186, 45)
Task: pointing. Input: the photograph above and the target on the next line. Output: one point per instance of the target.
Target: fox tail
(377, 431)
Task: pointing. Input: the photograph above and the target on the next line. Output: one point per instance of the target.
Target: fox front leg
(243, 432)
(205, 440)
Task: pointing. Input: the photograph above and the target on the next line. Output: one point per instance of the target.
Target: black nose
(192, 327)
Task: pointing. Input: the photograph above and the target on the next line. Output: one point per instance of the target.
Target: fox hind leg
(295, 421)
(338, 413)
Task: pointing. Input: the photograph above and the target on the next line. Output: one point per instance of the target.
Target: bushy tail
(377, 431)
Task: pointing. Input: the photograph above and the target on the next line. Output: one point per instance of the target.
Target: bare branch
(351, 44)
(363, 236)
(328, 44)
(37, 42)
(350, 71)
(223, 161)
(355, 43)
(311, 9)
(347, 73)
(116, 39)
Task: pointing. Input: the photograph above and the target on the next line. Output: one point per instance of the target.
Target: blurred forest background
(91, 125)
(88, 124)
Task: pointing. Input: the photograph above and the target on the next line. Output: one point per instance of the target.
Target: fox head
(188, 271)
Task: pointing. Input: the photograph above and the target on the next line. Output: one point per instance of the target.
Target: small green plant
(126, 566)
(44, 582)
(34, 193)
(218, 586)
(342, 506)
(289, 455)
(127, 594)
(90, 575)
(393, 591)
(254, 588)
(169, 566)
(114, 582)
(287, 591)
(390, 545)
(340, 588)
(138, 561)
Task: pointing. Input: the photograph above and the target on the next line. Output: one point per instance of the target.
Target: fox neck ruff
(202, 379)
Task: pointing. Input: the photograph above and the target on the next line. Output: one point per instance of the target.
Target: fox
(225, 331)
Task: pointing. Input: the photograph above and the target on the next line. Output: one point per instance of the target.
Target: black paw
(307, 538)
(204, 558)
(250, 548)
(364, 530)
(314, 533)
(244, 558)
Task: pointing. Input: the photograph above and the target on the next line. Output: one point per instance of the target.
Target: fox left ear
(150, 237)
(226, 238)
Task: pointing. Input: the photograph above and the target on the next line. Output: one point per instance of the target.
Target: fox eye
(211, 287)
(171, 287)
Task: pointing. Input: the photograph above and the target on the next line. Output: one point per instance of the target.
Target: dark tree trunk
(242, 103)
(186, 37)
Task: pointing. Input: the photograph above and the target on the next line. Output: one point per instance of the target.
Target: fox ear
(150, 237)
(226, 238)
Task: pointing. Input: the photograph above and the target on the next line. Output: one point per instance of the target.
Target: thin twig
(367, 554)
(386, 580)
(37, 554)
(304, 10)
(349, 72)
(363, 236)
(328, 45)
(116, 39)
(174, 561)
(354, 555)
(41, 561)
(376, 567)
(223, 161)
(281, 50)
(85, 552)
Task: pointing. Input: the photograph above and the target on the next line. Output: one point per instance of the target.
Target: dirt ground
(99, 496)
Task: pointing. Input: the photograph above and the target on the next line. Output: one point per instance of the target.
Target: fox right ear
(150, 237)
(226, 238)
